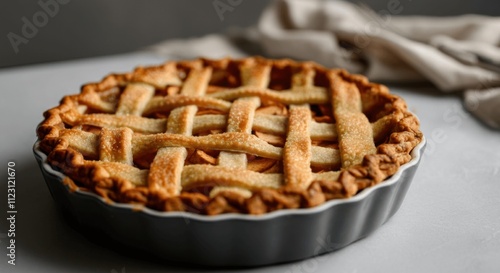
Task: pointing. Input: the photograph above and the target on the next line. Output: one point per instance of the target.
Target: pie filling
(216, 136)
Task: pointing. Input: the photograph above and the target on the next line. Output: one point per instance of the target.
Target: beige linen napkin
(455, 53)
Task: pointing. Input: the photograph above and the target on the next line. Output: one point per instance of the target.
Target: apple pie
(248, 136)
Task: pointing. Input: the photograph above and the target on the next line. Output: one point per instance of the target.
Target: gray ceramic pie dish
(234, 239)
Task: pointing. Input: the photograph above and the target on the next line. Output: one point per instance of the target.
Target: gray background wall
(85, 28)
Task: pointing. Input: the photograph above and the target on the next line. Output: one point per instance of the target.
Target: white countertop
(449, 221)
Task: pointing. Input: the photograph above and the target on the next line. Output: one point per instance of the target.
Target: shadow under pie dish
(232, 146)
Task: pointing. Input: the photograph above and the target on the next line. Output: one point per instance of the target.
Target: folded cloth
(455, 53)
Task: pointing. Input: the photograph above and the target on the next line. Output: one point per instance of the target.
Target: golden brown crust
(219, 136)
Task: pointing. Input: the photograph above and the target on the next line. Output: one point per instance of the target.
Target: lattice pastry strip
(231, 141)
(315, 96)
(159, 77)
(136, 123)
(262, 122)
(354, 130)
(115, 145)
(134, 99)
(298, 150)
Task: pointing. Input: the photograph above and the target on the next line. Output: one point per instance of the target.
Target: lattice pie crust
(216, 136)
